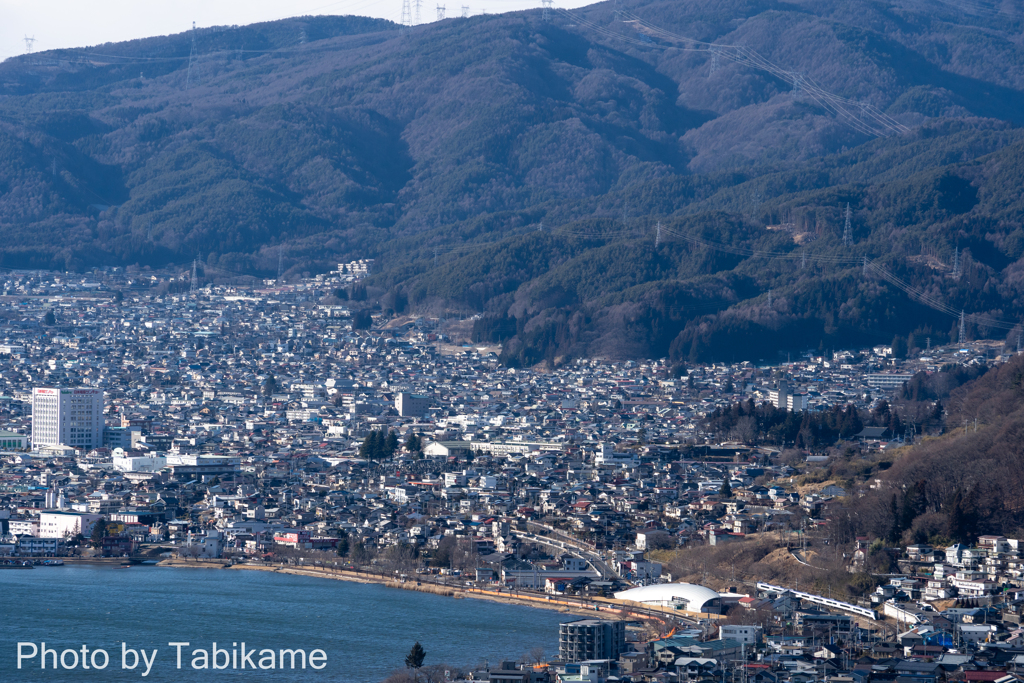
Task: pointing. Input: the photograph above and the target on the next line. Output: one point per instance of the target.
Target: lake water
(365, 630)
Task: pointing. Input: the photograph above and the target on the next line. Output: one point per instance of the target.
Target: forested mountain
(965, 483)
(635, 178)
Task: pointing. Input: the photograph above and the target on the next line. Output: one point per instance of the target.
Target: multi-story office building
(67, 417)
(411, 405)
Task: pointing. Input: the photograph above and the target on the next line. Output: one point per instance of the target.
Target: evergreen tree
(412, 442)
(343, 545)
(390, 444)
(726, 490)
(414, 659)
(49, 319)
(99, 530)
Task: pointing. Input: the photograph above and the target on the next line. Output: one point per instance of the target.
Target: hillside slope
(969, 481)
(519, 169)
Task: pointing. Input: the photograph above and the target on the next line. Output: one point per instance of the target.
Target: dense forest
(644, 179)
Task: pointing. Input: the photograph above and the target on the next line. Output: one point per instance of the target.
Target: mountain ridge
(518, 169)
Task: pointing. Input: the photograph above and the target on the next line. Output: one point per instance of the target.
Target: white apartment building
(67, 417)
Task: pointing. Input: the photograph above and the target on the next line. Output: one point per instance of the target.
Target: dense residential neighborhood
(147, 417)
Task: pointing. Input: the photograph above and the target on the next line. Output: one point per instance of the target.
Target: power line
(847, 234)
(863, 117)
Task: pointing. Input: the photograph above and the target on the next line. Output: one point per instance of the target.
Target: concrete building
(412, 405)
(13, 440)
(783, 398)
(61, 524)
(588, 639)
(887, 380)
(67, 417)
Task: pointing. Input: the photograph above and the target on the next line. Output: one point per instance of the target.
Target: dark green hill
(517, 168)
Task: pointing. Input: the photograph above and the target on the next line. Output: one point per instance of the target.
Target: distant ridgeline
(668, 179)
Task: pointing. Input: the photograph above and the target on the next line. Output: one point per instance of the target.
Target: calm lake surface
(365, 629)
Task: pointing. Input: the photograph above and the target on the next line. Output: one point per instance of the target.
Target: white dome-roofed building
(685, 596)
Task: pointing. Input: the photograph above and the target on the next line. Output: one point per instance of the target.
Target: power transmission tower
(406, 14)
(714, 61)
(798, 80)
(769, 298)
(440, 12)
(1018, 341)
(194, 281)
(547, 9)
(847, 232)
(280, 265)
(803, 260)
(28, 43)
(419, 3)
(963, 337)
(465, 11)
(193, 58)
(657, 237)
(928, 344)
(956, 264)
(865, 266)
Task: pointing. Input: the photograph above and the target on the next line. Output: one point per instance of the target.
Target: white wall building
(412, 405)
(67, 417)
(126, 463)
(55, 524)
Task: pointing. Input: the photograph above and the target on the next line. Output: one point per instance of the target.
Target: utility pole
(847, 232)
(440, 12)
(963, 337)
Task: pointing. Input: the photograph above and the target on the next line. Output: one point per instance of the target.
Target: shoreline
(604, 608)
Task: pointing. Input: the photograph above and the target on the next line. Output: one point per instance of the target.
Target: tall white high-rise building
(67, 417)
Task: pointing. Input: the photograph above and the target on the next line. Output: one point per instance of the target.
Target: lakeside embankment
(576, 606)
